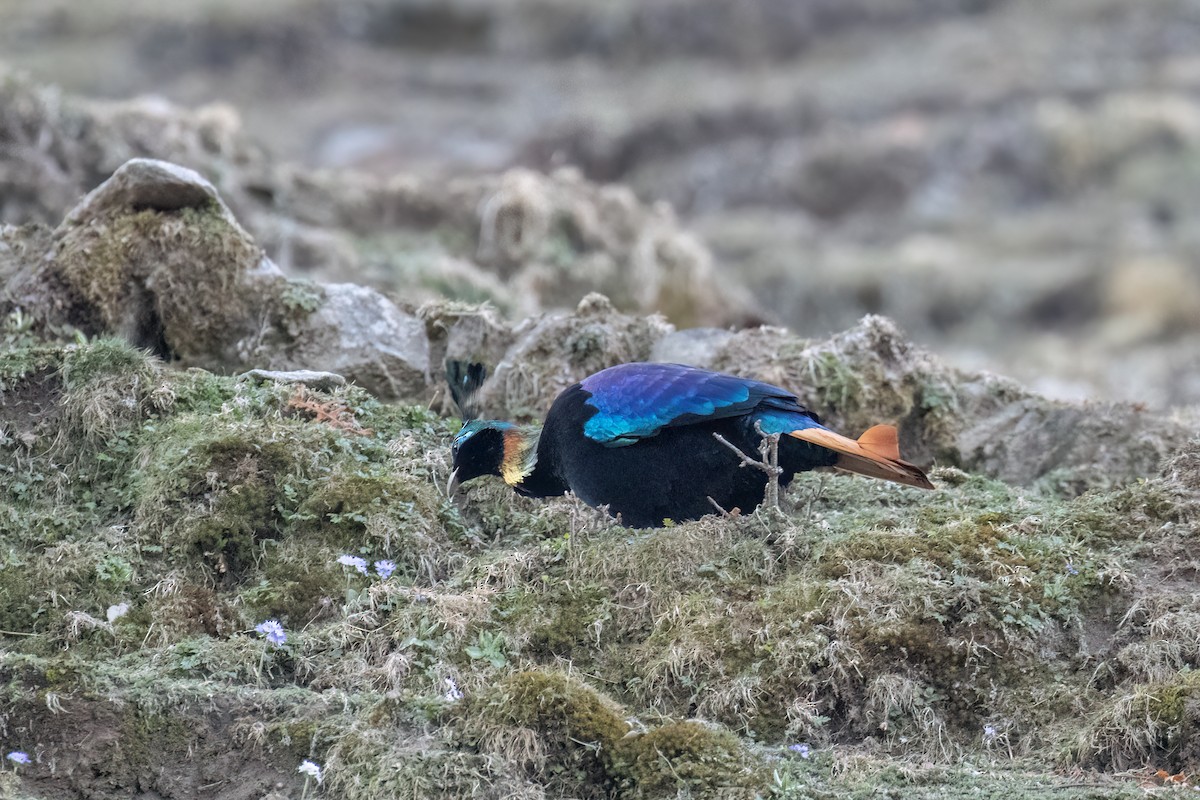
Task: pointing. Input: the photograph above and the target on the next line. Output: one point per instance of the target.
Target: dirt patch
(103, 749)
(30, 402)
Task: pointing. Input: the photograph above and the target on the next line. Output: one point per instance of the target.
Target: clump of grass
(1146, 724)
(367, 762)
(214, 492)
(570, 738)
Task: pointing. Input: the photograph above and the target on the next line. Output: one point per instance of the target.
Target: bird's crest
(465, 378)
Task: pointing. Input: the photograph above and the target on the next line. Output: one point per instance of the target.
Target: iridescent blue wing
(636, 401)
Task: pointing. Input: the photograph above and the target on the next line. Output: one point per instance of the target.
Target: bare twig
(768, 451)
(747, 461)
(717, 506)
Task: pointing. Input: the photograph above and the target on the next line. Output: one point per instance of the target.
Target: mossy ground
(980, 639)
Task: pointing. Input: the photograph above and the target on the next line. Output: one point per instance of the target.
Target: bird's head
(491, 447)
(485, 446)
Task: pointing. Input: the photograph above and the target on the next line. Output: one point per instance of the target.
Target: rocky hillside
(229, 565)
(215, 570)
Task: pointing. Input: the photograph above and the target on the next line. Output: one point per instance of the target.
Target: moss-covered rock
(553, 351)
(181, 282)
(688, 759)
(154, 256)
(977, 421)
(572, 730)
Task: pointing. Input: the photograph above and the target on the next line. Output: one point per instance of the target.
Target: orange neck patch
(513, 467)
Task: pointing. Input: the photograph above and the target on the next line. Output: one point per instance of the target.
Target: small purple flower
(385, 568)
(802, 750)
(273, 631)
(359, 564)
(17, 757)
(453, 693)
(989, 732)
(1071, 569)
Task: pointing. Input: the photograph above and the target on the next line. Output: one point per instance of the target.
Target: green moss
(200, 391)
(299, 583)
(348, 500)
(301, 297)
(576, 616)
(17, 364)
(103, 360)
(214, 490)
(559, 707)
(577, 728)
(840, 389)
(688, 759)
(1168, 702)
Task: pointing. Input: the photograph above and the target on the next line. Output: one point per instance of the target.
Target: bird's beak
(452, 484)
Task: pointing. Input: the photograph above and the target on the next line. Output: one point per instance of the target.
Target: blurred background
(1015, 182)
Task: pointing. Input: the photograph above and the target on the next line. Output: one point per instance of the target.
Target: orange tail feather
(882, 441)
(876, 453)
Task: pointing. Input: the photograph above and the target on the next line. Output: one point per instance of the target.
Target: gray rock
(697, 347)
(146, 183)
(359, 333)
(323, 381)
(552, 351)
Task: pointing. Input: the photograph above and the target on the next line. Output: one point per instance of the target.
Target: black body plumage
(639, 440)
(680, 473)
